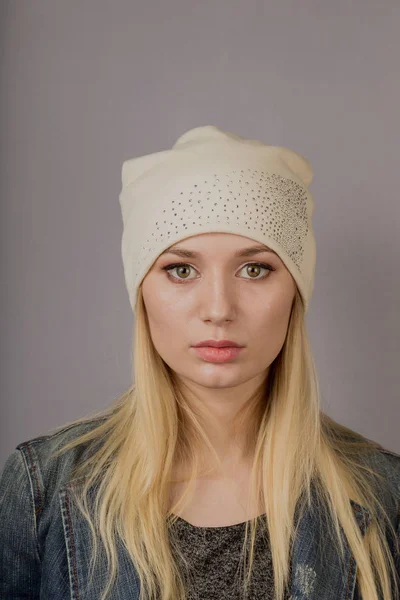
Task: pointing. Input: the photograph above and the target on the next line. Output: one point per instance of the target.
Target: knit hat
(215, 181)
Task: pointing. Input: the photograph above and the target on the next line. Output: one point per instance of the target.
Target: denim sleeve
(19, 555)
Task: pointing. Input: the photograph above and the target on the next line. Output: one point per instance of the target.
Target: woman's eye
(183, 268)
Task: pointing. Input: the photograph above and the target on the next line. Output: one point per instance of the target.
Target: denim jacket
(45, 542)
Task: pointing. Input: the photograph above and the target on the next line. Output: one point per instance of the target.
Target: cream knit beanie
(215, 181)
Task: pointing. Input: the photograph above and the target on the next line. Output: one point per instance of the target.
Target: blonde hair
(150, 429)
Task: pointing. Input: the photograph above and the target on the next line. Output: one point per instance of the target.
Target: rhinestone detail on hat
(268, 202)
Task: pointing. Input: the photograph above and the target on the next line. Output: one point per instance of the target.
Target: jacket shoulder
(47, 471)
(46, 443)
(386, 463)
(390, 453)
(390, 458)
(392, 463)
(30, 481)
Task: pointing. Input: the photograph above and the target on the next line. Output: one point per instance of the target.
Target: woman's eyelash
(182, 264)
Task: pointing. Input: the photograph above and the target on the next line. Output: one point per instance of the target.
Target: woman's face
(216, 294)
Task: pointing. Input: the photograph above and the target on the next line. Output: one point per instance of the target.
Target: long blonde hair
(150, 429)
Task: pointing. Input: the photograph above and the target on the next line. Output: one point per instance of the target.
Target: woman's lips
(217, 355)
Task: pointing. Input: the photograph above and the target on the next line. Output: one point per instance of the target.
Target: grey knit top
(212, 555)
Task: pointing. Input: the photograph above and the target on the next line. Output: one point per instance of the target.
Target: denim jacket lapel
(78, 540)
(318, 572)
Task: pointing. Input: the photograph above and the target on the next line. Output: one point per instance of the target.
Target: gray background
(87, 84)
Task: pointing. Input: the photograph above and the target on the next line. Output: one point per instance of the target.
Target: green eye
(170, 268)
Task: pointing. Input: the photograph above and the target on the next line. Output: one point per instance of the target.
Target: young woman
(216, 474)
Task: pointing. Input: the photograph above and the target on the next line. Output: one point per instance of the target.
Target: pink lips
(217, 344)
(217, 355)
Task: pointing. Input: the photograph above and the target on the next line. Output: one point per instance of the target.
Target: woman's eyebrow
(251, 251)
